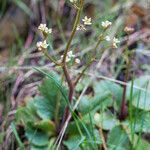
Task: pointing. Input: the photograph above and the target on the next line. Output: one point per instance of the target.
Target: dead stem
(103, 138)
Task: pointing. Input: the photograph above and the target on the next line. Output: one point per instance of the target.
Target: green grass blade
(21, 145)
(23, 6)
(130, 111)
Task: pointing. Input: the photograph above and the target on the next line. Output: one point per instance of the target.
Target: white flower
(87, 21)
(106, 24)
(77, 61)
(43, 28)
(70, 54)
(115, 42)
(107, 38)
(128, 29)
(42, 45)
(68, 59)
(81, 27)
(73, 1)
(47, 30)
(38, 45)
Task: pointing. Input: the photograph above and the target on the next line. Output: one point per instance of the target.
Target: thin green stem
(56, 115)
(61, 30)
(77, 20)
(82, 73)
(100, 39)
(97, 44)
(50, 58)
(131, 111)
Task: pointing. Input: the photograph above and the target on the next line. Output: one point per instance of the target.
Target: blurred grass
(3, 8)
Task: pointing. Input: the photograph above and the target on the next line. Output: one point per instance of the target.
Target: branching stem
(82, 73)
(64, 65)
(77, 20)
(50, 58)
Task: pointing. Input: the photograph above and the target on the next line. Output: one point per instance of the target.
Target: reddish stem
(123, 112)
(71, 90)
(123, 104)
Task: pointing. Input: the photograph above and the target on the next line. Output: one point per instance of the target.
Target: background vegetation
(110, 106)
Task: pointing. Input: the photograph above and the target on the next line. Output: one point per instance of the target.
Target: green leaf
(92, 135)
(45, 125)
(144, 119)
(37, 138)
(51, 144)
(106, 120)
(55, 94)
(81, 85)
(53, 100)
(27, 113)
(140, 122)
(142, 145)
(44, 108)
(88, 104)
(144, 101)
(2, 135)
(74, 142)
(21, 145)
(54, 78)
(118, 139)
(141, 98)
(38, 148)
(106, 86)
(137, 142)
(50, 91)
(94, 139)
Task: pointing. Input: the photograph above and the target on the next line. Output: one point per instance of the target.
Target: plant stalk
(77, 20)
(64, 65)
(123, 111)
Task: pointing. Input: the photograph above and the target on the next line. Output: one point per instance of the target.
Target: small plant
(61, 119)
(68, 55)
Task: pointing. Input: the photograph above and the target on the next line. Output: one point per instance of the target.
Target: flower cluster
(44, 29)
(107, 38)
(73, 1)
(42, 45)
(106, 24)
(81, 27)
(70, 56)
(128, 30)
(86, 22)
(115, 41)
